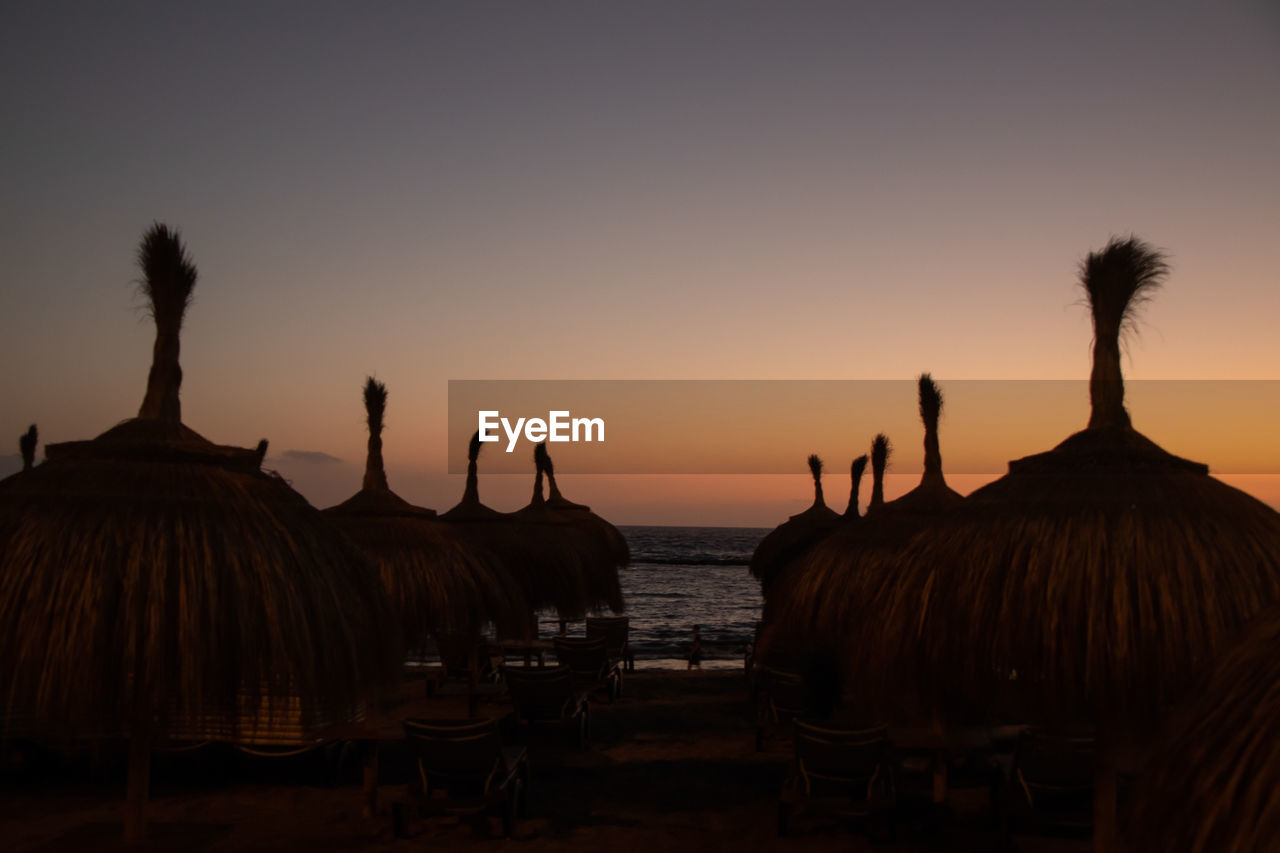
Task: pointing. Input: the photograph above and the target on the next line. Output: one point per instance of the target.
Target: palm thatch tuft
(1117, 280)
(375, 404)
(27, 447)
(793, 537)
(168, 279)
(856, 471)
(881, 450)
(815, 468)
(438, 580)
(1213, 783)
(375, 407)
(930, 413)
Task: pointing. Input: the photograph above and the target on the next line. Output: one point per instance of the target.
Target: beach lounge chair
(464, 769)
(843, 772)
(783, 696)
(465, 661)
(615, 630)
(1051, 786)
(588, 658)
(548, 696)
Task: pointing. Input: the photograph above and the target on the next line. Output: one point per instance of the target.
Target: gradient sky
(435, 191)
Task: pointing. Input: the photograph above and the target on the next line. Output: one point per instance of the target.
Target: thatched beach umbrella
(791, 584)
(1213, 784)
(609, 549)
(548, 575)
(150, 575)
(846, 574)
(794, 536)
(440, 582)
(561, 545)
(792, 646)
(1102, 572)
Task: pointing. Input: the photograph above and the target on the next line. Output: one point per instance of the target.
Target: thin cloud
(312, 456)
(10, 463)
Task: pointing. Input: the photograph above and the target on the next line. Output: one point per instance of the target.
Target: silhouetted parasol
(846, 573)
(794, 536)
(1213, 785)
(1102, 572)
(565, 551)
(150, 575)
(608, 548)
(440, 582)
(549, 576)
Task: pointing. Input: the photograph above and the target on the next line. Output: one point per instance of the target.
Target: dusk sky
(649, 190)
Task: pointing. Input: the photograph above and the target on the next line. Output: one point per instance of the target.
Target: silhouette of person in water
(695, 648)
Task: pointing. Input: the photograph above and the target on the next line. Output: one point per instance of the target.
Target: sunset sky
(606, 190)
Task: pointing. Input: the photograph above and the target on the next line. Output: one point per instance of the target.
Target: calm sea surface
(685, 576)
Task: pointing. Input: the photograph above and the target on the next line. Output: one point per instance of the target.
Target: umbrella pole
(473, 688)
(530, 634)
(138, 786)
(1104, 801)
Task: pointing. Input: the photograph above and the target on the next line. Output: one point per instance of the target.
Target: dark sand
(672, 765)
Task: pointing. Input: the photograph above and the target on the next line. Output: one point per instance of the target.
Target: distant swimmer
(695, 648)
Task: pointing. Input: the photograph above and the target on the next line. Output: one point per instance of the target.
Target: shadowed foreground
(672, 765)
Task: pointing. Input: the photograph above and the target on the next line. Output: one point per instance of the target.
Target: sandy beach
(671, 765)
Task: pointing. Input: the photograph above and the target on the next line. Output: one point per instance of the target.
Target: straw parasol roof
(1214, 784)
(439, 581)
(562, 546)
(852, 568)
(794, 536)
(549, 576)
(150, 573)
(609, 551)
(1102, 571)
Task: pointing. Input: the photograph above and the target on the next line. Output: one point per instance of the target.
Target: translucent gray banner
(771, 426)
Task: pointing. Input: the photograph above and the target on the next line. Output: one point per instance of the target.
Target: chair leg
(784, 819)
(526, 789)
(509, 814)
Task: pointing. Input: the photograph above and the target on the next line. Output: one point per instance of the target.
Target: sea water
(685, 576)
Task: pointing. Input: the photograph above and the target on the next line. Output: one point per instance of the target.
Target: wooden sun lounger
(590, 663)
(548, 696)
(615, 631)
(464, 769)
(846, 772)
